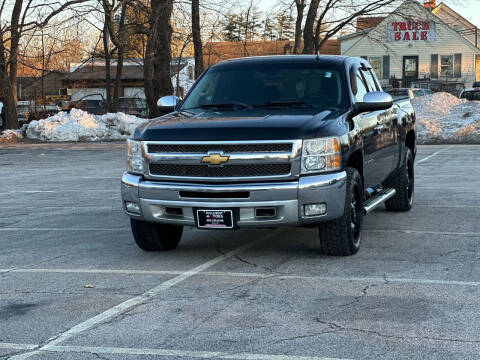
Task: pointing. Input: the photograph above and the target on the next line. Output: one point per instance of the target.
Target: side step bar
(378, 199)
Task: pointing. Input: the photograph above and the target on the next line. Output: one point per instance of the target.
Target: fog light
(132, 207)
(315, 209)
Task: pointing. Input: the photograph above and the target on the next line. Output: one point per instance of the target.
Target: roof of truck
(333, 59)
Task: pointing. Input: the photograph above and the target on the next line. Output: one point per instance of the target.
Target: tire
(403, 181)
(156, 237)
(342, 237)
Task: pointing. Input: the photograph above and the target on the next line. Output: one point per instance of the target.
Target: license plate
(215, 219)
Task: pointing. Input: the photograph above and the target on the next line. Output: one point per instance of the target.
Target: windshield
(287, 85)
(471, 95)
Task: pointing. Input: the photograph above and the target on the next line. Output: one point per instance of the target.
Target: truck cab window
(372, 86)
(362, 88)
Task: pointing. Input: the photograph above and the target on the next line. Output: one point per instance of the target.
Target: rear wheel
(403, 181)
(156, 237)
(342, 236)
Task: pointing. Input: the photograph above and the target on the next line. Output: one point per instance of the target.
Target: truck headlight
(134, 157)
(320, 155)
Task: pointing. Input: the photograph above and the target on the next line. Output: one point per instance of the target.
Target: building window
(376, 63)
(446, 65)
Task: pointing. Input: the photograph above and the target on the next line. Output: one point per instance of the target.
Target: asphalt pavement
(73, 284)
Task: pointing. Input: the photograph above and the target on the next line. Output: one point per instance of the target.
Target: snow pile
(78, 125)
(10, 136)
(444, 118)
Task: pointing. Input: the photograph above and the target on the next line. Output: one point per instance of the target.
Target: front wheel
(156, 237)
(403, 181)
(341, 237)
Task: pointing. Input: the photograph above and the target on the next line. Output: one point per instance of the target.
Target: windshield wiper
(226, 105)
(284, 104)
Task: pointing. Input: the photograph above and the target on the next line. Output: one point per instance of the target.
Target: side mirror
(374, 101)
(168, 103)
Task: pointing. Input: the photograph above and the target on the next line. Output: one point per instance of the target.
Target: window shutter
(434, 66)
(386, 67)
(458, 66)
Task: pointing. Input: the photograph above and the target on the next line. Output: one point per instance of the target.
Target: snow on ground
(10, 136)
(444, 118)
(78, 125)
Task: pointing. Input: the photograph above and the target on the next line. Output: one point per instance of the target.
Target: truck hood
(242, 125)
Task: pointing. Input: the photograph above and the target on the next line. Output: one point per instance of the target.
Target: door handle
(378, 129)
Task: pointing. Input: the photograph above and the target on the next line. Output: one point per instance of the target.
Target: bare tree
(333, 17)
(197, 38)
(158, 54)
(24, 17)
(300, 5)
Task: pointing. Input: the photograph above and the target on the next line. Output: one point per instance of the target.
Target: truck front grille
(225, 148)
(250, 170)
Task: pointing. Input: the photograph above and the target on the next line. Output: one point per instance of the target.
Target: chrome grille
(256, 160)
(251, 170)
(226, 148)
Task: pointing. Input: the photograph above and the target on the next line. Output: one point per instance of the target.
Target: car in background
(471, 94)
(92, 106)
(421, 92)
(40, 112)
(408, 93)
(401, 93)
(133, 106)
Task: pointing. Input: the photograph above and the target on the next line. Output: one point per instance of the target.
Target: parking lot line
(448, 233)
(183, 353)
(11, 346)
(384, 279)
(434, 154)
(135, 301)
(157, 352)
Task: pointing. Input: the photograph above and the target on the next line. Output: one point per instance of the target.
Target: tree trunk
(11, 116)
(158, 55)
(300, 4)
(308, 38)
(118, 79)
(108, 83)
(197, 38)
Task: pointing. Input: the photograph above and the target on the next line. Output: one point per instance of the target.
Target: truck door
(377, 156)
(388, 122)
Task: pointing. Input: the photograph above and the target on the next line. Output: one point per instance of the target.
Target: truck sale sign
(402, 30)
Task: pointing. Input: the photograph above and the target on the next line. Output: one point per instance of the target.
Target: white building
(415, 43)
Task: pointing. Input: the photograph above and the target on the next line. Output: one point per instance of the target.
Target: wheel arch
(355, 160)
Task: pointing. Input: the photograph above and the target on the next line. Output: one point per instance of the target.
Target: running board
(378, 199)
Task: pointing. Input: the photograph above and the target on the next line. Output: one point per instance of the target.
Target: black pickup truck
(268, 142)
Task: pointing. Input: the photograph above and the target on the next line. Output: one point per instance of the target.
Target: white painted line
(62, 191)
(138, 300)
(434, 154)
(381, 231)
(62, 229)
(12, 346)
(250, 275)
(182, 353)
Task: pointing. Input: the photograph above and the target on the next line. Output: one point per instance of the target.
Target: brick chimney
(430, 4)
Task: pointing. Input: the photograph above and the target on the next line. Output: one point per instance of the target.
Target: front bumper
(288, 199)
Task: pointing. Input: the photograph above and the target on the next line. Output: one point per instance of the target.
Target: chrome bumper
(287, 198)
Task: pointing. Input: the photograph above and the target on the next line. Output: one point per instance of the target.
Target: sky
(469, 9)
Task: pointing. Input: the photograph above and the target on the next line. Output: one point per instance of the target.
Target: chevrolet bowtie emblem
(215, 159)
